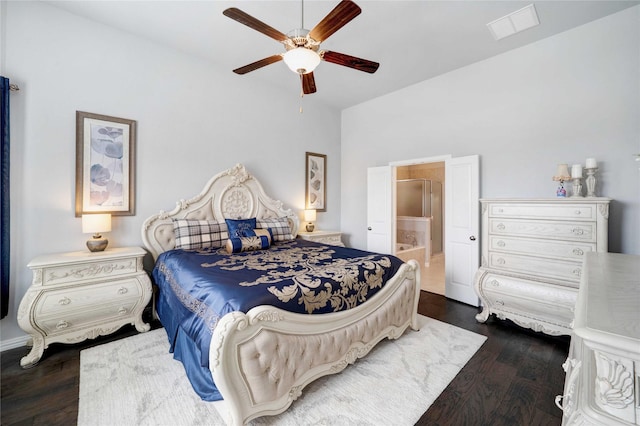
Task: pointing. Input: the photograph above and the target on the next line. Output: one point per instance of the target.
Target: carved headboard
(232, 194)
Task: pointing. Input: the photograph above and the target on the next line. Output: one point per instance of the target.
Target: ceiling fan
(302, 46)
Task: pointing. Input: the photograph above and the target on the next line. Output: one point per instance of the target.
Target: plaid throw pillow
(279, 228)
(196, 234)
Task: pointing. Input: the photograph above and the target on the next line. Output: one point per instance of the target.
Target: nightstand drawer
(536, 247)
(87, 297)
(97, 314)
(563, 211)
(544, 229)
(108, 268)
(539, 267)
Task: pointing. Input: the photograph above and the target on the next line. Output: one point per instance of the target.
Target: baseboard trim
(16, 342)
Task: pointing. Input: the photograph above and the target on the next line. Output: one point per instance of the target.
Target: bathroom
(419, 216)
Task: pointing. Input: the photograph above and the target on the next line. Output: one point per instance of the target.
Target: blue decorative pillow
(237, 245)
(197, 234)
(241, 227)
(279, 228)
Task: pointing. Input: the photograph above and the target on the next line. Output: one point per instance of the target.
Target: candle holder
(577, 187)
(591, 181)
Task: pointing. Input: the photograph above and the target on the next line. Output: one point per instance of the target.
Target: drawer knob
(577, 272)
(578, 252)
(499, 302)
(578, 212)
(500, 210)
(122, 310)
(578, 231)
(62, 325)
(494, 283)
(501, 243)
(64, 301)
(500, 261)
(123, 290)
(501, 226)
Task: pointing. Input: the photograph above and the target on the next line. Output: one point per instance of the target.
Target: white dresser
(81, 295)
(325, 237)
(532, 254)
(602, 386)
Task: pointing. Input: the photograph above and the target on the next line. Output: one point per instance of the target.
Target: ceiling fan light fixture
(301, 60)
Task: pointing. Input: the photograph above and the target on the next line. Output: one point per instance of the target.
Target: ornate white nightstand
(82, 295)
(325, 237)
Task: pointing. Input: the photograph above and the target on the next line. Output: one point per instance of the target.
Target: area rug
(136, 381)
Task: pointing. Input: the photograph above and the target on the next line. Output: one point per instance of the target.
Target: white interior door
(379, 209)
(462, 245)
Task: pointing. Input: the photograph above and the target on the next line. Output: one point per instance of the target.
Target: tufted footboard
(262, 360)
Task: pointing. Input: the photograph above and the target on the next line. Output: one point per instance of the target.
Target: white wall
(194, 119)
(563, 99)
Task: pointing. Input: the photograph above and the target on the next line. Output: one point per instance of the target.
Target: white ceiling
(412, 40)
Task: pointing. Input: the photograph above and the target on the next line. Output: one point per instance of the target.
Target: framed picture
(105, 164)
(316, 181)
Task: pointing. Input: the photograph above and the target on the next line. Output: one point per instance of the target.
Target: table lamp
(310, 217)
(95, 224)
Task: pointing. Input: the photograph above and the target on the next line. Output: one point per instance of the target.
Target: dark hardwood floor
(512, 380)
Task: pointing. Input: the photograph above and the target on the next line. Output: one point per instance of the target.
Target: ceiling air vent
(515, 22)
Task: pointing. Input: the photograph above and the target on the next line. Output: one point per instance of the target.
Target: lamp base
(310, 227)
(97, 244)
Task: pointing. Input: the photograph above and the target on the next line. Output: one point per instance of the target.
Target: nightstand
(82, 295)
(325, 237)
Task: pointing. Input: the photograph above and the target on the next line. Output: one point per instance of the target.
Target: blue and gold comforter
(198, 287)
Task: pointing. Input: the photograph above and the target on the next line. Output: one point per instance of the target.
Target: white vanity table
(603, 367)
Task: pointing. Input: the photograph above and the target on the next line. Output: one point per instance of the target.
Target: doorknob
(472, 238)
(369, 228)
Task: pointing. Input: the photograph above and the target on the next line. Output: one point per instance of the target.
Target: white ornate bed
(260, 361)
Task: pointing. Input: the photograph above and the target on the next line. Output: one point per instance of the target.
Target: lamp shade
(310, 215)
(301, 60)
(96, 223)
(562, 173)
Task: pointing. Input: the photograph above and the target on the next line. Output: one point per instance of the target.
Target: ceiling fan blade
(350, 61)
(344, 12)
(258, 64)
(308, 83)
(251, 22)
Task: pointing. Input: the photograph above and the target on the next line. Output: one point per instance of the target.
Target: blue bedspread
(198, 287)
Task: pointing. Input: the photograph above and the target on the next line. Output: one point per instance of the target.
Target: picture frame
(105, 164)
(316, 181)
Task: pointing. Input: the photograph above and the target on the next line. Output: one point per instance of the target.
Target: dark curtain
(4, 194)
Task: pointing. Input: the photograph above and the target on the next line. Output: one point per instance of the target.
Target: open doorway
(420, 220)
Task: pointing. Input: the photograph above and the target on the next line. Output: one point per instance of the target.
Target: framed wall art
(105, 164)
(316, 181)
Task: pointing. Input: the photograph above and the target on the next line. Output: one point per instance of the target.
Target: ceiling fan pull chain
(301, 94)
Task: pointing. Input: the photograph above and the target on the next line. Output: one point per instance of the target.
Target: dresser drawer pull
(501, 226)
(577, 272)
(62, 325)
(500, 210)
(501, 243)
(122, 310)
(499, 302)
(578, 252)
(500, 261)
(64, 301)
(578, 212)
(578, 231)
(123, 290)
(494, 283)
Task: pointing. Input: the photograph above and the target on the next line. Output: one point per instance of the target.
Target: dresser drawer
(536, 247)
(64, 322)
(544, 211)
(71, 273)
(551, 303)
(585, 232)
(563, 270)
(71, 299)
